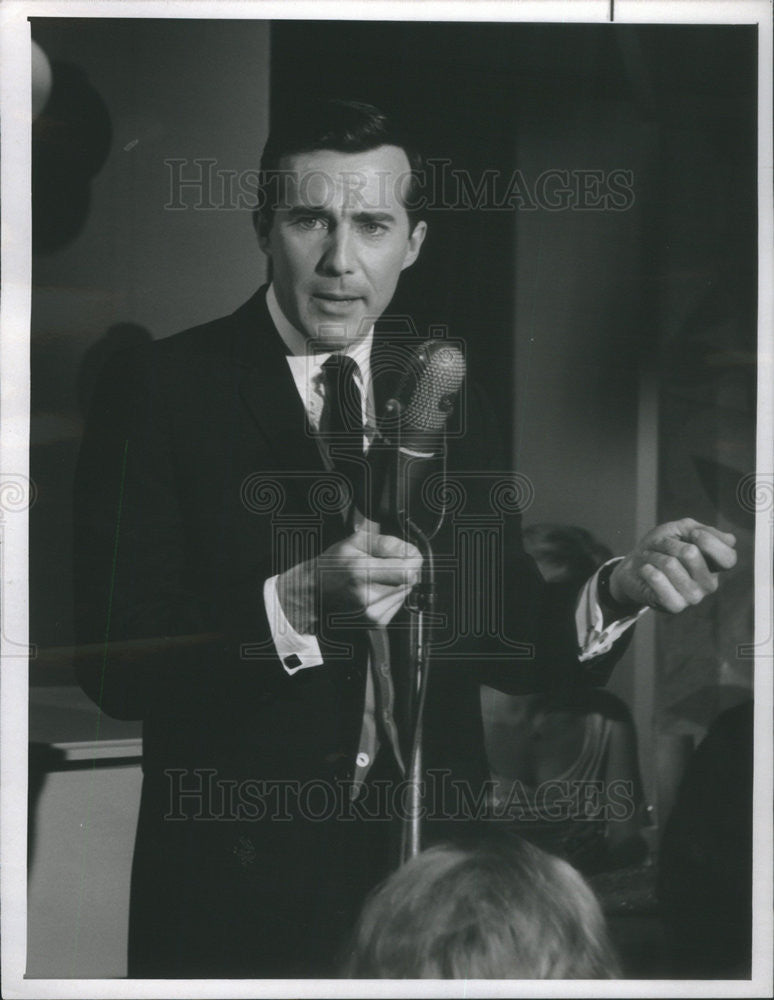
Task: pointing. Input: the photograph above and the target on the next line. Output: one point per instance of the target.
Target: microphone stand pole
(421, 608)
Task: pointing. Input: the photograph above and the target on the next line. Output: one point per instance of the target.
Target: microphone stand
(421, 608)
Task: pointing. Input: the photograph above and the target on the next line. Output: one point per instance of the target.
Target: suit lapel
(268, 391)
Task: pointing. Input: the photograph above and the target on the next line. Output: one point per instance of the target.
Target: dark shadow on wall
(117, 338)
(70, 142)
(71, 139)
(55, 432)
(42, 760)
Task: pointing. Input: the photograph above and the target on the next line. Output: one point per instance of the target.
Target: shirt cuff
(296, 651)
(593, 638)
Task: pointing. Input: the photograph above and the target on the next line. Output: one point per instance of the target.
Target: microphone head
(427, 390)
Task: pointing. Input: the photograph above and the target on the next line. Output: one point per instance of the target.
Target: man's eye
(373, 228)
(310, 222)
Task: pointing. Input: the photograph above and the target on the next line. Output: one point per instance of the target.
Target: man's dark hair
(342, 125)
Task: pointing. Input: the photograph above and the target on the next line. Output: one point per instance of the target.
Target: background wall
(635, 336)
(580, 322)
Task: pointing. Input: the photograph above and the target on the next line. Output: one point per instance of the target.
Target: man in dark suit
(242, 601)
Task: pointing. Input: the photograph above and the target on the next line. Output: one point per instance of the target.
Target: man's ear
(262, 227)
(415, 241)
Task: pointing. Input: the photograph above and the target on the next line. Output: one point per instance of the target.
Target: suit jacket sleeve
(145, 619)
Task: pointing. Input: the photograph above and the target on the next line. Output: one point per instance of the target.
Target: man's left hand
(675, 564)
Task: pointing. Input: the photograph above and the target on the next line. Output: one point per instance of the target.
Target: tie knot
(339, 365)
(344, 401)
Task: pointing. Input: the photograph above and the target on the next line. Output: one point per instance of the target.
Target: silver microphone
(410, 445)
(420, 408)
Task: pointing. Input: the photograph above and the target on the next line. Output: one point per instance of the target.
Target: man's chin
(330, 335)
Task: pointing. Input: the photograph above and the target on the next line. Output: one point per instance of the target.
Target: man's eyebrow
(297, 211)
(373, 217)
(309, 210)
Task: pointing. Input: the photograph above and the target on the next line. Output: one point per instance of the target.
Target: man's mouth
(337, 303)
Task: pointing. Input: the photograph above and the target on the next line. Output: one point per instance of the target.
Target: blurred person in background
(502, 909)
(564, 764)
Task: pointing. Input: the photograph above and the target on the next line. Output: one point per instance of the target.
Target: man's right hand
(368, 575)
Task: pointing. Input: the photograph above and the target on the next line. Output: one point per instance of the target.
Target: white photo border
(14, 419)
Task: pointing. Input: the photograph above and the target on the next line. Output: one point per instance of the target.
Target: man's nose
(338, 256)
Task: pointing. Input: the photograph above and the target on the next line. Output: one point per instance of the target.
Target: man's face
(339, 240)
